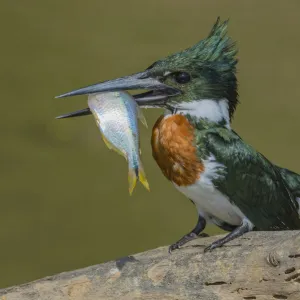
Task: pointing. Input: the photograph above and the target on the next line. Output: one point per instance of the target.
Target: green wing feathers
(292, 180)
(256, 186)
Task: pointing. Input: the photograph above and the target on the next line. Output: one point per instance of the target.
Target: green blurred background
(64, 199)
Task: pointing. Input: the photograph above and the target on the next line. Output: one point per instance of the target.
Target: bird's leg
(238, 231)
(191, 235)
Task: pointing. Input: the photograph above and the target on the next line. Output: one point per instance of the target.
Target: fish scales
(116, 115)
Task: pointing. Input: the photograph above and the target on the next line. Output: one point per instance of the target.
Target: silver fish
(116, 115)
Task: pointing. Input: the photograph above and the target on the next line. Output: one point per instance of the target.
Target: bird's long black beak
(156, 96)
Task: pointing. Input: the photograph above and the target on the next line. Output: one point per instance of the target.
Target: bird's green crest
(217, 47)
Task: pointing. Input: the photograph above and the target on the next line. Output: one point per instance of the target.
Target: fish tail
(134, 173)
(132, 178)
(142, 176)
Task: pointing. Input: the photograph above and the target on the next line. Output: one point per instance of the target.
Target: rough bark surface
(259, 265)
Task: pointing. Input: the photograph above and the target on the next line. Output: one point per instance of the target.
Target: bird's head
(205, 71)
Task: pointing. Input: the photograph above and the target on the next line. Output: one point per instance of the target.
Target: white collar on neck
(212, 110)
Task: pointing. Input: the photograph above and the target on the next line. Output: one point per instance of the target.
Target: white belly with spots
(209, 201)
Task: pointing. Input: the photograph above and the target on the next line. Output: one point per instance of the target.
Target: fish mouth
(156, 96)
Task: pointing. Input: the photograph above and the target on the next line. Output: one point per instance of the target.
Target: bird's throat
(209, 110)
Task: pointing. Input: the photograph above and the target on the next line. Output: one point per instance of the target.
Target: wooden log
(259, 265)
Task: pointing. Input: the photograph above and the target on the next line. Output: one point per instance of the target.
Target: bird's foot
(200, 226)
(185, 239)
(238, 231)
(214, 245)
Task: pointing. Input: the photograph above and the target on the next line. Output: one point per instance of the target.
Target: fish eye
(182, 77)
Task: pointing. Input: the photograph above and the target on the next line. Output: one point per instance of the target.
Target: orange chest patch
(174, 150)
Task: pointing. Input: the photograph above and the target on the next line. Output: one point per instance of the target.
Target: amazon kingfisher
(231, 184)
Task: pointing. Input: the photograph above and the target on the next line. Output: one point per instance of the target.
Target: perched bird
(231, 184)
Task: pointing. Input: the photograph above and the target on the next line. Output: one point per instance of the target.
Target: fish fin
(141, 116)
(106, 142)
(142, 176)
(132, 177)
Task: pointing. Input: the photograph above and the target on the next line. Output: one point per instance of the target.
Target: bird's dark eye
(182, 77)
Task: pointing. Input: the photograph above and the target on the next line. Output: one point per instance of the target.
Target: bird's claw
(209, 248)
(212, 246)
(173, 247)
(181, 242)
(187, 238)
